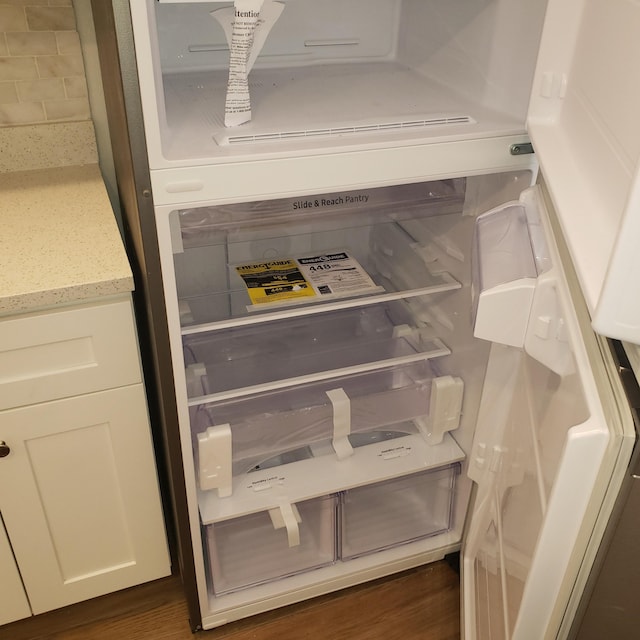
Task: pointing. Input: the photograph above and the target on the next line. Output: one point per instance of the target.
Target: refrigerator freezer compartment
(286, 425)
(387, 514)
(388, 72)
(318, 248)
(250, 550)
(243, 360)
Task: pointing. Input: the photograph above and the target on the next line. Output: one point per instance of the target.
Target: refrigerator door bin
(249, 359)
(250, 550)
(236, 260)
(383, 515)
(297, 423)
(509, 254)
(388, 72)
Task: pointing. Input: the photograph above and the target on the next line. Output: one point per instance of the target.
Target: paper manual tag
(246, 26)
(321, 275)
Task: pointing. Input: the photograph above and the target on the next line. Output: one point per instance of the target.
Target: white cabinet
(14, 600)
(78, 488)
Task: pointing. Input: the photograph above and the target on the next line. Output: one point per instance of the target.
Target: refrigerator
(386, 268)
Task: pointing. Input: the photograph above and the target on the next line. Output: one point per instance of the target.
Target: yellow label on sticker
(274, 280)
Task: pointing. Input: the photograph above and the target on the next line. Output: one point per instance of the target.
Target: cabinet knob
(4, 449)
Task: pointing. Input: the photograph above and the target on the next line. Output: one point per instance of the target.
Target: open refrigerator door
(549, 448)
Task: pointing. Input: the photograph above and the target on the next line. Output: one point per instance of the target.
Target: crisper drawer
(387, 514)
(294, 423)
(256, 548)
(58, 354)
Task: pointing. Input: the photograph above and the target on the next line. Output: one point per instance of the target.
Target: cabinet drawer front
(66, 353)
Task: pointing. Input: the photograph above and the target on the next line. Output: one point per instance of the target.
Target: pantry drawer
(249, 550)
(68, 352)
(387, 514)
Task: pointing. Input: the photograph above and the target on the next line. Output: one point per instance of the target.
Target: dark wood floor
(420, 604)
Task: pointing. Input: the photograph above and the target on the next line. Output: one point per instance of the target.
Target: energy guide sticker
(322, 275)
(274, 280)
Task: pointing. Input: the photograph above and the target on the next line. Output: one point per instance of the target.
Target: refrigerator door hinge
(521, 149)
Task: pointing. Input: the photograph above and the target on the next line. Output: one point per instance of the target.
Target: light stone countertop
(59, 240)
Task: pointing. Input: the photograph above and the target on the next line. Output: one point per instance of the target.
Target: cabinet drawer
(249, 550)
(387, 514)
(68, 352)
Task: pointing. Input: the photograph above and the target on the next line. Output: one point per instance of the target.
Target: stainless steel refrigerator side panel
(117, 60)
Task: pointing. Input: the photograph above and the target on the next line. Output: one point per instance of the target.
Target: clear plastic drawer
(272, 428)
(387, 514)
(257, 548)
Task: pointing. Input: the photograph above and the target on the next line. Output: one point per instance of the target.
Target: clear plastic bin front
(252, 550)
(383, 515)
(278, 427)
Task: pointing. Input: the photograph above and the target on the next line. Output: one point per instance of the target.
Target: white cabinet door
(79, 496)
(13, 600)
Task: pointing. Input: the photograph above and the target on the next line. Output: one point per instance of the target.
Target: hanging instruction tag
(246, 26)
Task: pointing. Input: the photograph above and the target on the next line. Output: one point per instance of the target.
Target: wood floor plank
(419, 604)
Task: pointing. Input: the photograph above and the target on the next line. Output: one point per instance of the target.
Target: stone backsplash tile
(77, 109)
(8, 92)
(75, 87)
(22, 3)
(13, 18)
(42, 76)
(22, 112)
(44, 89)
(18, 69)
(27, 43)
(60, 66)
(68, 43)
(50, 18)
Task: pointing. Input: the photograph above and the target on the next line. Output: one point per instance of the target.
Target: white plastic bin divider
(386, 514)
(248, 551)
